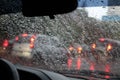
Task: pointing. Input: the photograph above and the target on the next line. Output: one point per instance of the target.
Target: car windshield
(87, 38)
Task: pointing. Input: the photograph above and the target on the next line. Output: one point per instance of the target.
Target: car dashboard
(9, 71)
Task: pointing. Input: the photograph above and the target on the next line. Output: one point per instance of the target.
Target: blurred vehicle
(105, 47)
(38, 47)
(79, 50)
(7, 46)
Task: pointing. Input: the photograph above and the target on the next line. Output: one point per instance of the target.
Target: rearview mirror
(47, 7)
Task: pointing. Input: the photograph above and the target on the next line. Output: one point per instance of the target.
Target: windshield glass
(22, 39)
(85, 39)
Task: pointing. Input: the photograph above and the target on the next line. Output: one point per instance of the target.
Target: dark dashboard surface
(9, 71)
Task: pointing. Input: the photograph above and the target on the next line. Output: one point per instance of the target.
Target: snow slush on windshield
(85, 39)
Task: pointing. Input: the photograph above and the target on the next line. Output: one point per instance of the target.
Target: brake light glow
(79, 49)
(71, 48)
(107, 76)
(102, 39)
(92, 67)
(32, 40)
(16, 38)
(31, 45)
(93, 46)
(109, 47)
(107, 69)
(24, 35)
(78, 63)
(69, 63)
(5, 43)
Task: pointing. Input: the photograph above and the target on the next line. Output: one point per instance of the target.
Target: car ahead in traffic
(39, 47)
(105, 47)
(7, 46)
(81, 50)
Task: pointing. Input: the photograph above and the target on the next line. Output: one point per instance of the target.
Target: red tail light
(32, 40)
(5, 43)
(109, 47)
(24, 35)
(16, 38)
(31, 45)
(79, 49)
(71, 48)
(93, 46)
(102, 39)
